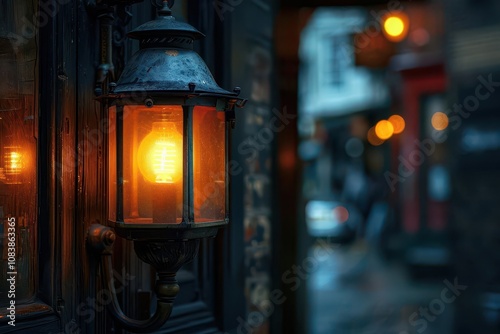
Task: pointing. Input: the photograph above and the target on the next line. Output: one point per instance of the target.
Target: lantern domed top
(166, 63)
(165, 28)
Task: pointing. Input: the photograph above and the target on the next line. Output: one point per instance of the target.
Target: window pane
(112, 184)
(18, 152)
(152, 164)
(209, 164)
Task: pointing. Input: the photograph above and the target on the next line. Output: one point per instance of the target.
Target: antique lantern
(169, 125)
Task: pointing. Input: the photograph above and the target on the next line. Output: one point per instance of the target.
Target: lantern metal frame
(165, 71)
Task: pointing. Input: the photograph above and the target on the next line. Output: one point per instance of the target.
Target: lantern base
(168, 232)
(167, 256)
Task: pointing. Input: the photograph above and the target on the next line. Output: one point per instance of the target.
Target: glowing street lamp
(384, 129)
(168, 145)
(395, 26)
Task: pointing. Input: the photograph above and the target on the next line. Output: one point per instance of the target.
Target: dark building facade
(54, 57)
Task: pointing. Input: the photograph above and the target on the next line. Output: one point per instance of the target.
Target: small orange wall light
(395, 26)
(13, 163)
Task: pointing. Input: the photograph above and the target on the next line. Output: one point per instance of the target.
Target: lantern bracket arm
(112, 16)
(100, 239)
(163, 306)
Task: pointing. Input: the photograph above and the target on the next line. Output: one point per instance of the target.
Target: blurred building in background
(399, 150)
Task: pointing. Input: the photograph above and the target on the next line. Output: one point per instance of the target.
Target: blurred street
(353, 290)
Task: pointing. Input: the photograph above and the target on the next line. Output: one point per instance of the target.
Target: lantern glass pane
(209, 159)
(152, 155)
(112, 179)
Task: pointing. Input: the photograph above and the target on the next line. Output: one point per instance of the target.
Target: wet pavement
(355, 291)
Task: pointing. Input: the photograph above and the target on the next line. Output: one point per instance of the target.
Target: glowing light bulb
(160, 154)
(164, 153)
(159, 158)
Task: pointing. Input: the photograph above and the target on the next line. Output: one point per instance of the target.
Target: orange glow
(288, 159)
(396, 26)
(372, 137)
(398, 123)
(160, 154)
(439, 121)
(384, 129)
(13, 161)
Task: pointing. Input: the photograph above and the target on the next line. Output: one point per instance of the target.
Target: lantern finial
(163, 7)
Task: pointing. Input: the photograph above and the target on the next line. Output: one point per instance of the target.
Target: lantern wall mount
(167, 158)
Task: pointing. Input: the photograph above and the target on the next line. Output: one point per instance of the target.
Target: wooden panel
(90, 135)
(66, 159)
(47, 166)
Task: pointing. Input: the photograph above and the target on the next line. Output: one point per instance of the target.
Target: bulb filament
(164, 160)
